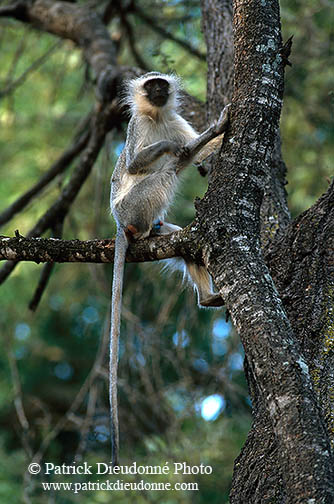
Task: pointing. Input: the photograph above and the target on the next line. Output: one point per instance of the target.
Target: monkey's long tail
(121, 245)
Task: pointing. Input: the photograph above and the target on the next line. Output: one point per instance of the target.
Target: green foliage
(308, 112)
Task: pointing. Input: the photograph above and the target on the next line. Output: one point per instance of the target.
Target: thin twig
(88, 420)
(57, 168)
(18, 399)
(46, 272)
(18, 402)
(10, 88)
(17, 55)
(131, 38)
(167, 35)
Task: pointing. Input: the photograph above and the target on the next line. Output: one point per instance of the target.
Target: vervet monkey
(159, 144)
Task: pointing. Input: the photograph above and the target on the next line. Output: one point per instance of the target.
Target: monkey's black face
(157, 91)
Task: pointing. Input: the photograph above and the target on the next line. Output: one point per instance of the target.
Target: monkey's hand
(183, 153)
(144, 160)
(167, 147)
(223, 120)
(172, 147)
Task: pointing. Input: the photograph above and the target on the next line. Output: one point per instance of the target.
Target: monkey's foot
(131, 229)
(212, 301)
(130, 232)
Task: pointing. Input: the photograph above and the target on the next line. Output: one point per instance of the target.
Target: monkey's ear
(126, 92)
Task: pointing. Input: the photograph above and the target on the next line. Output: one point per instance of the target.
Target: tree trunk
(244, 207)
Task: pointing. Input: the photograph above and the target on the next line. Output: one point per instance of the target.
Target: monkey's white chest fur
(162, 182)
(160, 175)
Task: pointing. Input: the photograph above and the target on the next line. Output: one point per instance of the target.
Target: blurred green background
(183, 395)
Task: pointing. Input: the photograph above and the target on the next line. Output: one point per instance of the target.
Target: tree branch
(79, 24)
(11, 86)
(69, 21)
(132, 39)
(305, 280)
(57, 168)
(52, 250)
(151, 22)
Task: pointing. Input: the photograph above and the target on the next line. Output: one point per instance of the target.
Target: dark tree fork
(287, 456)
(247, 239)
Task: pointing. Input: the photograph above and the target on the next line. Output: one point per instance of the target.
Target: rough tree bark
(275, 276)
(249, 176)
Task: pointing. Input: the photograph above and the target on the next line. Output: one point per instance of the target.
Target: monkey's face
(157, 91)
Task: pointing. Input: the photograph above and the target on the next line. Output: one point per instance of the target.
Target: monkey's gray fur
(159, 144)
